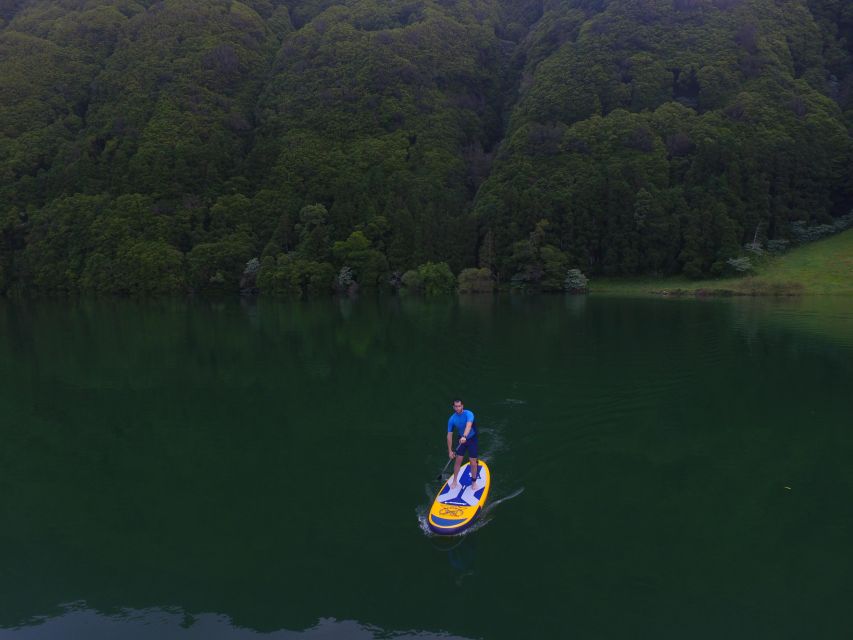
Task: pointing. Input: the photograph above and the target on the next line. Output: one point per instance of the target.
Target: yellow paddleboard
(454, 510)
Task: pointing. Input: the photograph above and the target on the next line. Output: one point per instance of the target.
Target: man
(463, 421)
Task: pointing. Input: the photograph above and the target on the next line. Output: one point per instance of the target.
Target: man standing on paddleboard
(463, 421)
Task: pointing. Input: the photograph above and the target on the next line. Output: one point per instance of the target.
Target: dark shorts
(470, 448)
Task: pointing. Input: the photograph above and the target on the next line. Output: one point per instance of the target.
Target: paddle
(438, 477)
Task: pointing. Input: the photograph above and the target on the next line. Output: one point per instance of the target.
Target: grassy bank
(824, 267)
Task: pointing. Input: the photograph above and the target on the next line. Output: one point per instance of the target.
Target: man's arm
(449, 444)
(469, 424)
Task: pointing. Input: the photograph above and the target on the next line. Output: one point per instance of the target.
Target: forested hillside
(208, 144)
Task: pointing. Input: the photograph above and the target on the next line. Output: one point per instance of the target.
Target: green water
(663, 468)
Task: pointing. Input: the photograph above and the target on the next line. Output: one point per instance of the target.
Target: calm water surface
(189, 469)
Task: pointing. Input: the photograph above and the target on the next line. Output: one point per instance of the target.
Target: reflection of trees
(825, 319)
(150, 450)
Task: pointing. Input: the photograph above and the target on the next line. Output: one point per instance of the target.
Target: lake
(193, 469)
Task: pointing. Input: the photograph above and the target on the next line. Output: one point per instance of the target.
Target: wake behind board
(454, 510)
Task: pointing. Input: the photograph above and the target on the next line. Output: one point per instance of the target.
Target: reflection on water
(80, 622)
(828, 318)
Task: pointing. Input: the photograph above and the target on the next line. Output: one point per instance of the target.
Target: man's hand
(451, 454)
(463, 440)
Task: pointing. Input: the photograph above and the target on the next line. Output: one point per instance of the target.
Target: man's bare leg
(456, 464)
(472, 465)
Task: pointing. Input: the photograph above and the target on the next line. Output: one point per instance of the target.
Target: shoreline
(820, 268)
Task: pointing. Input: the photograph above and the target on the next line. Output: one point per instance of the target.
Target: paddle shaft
(438, 477)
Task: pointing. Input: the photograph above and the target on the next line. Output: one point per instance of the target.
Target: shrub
(252, 267)
(576, 281)
(432, 278)
(739, 265)
(803, 234)
(412, 280)
(248, 282)
(476, 281)
(345, 279)
(437, 278)
(777, 246)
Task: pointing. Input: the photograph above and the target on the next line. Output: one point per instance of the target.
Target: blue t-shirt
(459, 420)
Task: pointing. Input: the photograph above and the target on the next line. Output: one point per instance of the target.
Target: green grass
(824, 267)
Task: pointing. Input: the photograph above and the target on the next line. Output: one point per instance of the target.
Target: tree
(219, 265)
(314, 233)
(369, 266)
(539, 264)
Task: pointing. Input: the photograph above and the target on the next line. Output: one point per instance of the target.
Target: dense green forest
(298, 146)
